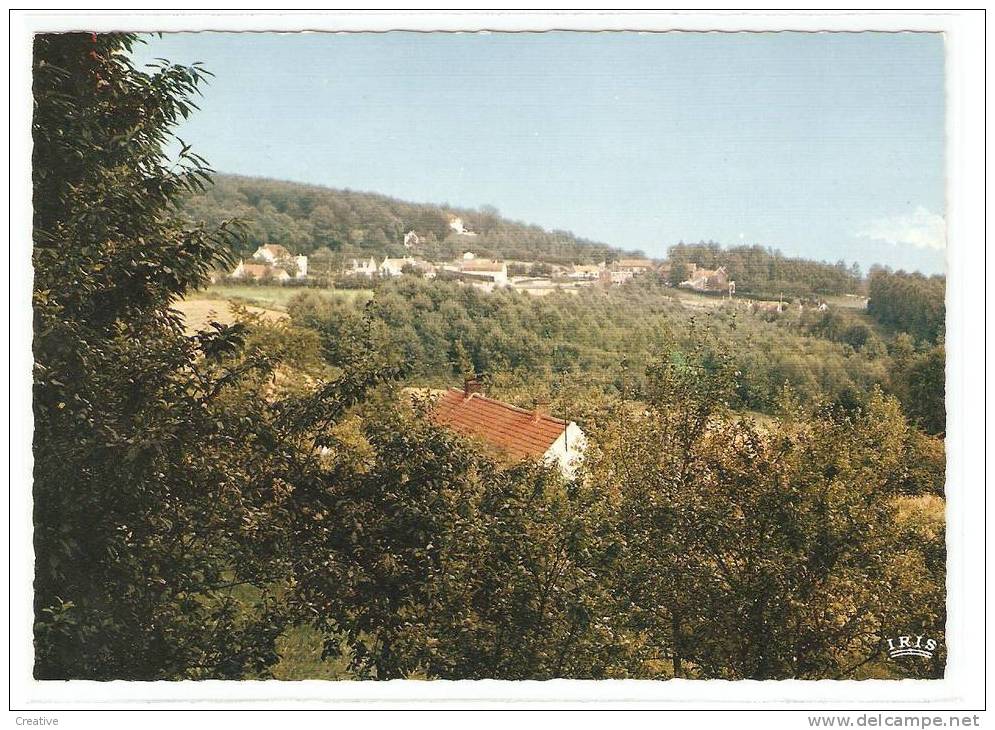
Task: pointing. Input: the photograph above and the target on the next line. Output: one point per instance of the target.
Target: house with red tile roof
(515, 432)
(585, 271)
(271, 252)
(277, 255)
(259, 271)
(491, 270)
(716, 280)
(634, 266)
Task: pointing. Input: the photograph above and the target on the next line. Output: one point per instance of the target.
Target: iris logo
(911, 646)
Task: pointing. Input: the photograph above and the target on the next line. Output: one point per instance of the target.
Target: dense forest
(910, 303)
(606, 339)
(913, 307)
(762, 272)
(335, 225)
(205, 502)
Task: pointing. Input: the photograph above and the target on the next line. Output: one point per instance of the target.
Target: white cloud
(921, 228)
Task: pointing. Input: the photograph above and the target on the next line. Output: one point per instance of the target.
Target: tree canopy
(763, 272)
(347, 224)
(910, 303)
(160, 464)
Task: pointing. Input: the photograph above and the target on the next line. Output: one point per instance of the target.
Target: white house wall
(567, 450)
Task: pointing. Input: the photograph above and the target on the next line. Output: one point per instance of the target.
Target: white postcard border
(963, 686)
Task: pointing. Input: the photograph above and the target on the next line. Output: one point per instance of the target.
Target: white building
(411, 239)
(277, 255)
(490, 270)
(363, 267)
(586, 272)
(260, 271)
(567, 450)
(395, 267)
(271, 253)
(456, 224)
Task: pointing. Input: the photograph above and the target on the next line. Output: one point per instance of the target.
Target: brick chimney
(471, 386)
(541, 409)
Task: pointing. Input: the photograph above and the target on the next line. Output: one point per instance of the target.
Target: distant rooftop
(481, 265)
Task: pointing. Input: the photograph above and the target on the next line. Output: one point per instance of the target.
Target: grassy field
(214, 303)
(272, 297)
(300, 657)
(699, 300)
(197, 313)
(847, 301)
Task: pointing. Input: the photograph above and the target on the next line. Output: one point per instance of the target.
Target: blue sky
(823, 145)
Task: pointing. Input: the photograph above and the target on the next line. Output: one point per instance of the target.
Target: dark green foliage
(919, 381)
(99, 128)
(838, 325)
(113, 404)
(160, 468)
(603, 338)
(913, 305)
(435, 562)
(910, 303)
(787, 548)
(345, 224)
(764, 273)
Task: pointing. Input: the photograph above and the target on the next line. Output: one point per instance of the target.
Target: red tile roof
(635, 263)
(516, 431)
(258, 271)
(275, 249)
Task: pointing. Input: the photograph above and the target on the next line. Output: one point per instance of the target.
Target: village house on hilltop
(713, 280)
(490, 270)
(363, 267)
(515, 432)
(456, 224)
(394, 266)
(634, 266)
(258, 272)
(271, 253)
(272, 261)
(278, 255)
(625, 270)
(586, 272)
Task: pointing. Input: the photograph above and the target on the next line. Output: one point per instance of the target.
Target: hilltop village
(276, 264)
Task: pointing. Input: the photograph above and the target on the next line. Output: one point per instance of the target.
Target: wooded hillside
(341, 224)
(768, 273)
(910, 303)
